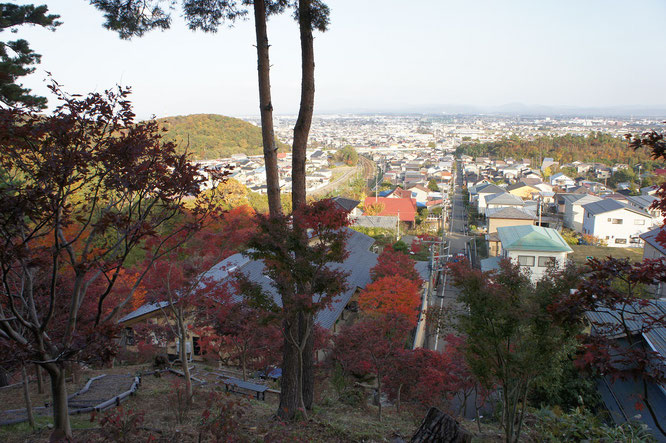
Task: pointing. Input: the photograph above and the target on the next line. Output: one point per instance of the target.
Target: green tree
(432, 185)
(347, 155)
(17, 59)
(513, 340)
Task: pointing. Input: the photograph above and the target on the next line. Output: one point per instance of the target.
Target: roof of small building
(608, 205)
(650, 237)
(504, 198)
(520, 185)
(376, 221)
(510, 213)
(581, 199)
(489, 188)
(346, 203)
(642, 201)
(357, 265)
(532, 238)
(405, 208)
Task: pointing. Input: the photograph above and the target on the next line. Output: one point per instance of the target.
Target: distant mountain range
(210, 136)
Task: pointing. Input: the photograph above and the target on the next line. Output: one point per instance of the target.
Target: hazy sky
(377, 55)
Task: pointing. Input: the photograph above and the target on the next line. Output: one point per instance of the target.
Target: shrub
(220, 418)
(120, 425)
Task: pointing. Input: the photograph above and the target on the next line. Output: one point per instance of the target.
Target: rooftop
(532, 238)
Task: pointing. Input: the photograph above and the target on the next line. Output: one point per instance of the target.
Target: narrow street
(444, 298)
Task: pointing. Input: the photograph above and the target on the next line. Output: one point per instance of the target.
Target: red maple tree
(372, 345)
(394, 295)
(391, 263)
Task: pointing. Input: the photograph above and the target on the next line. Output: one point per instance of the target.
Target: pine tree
(17, 59)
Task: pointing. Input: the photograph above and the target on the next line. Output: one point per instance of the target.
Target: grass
(581, 252)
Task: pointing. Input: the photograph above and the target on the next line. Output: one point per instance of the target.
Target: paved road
(445, 297)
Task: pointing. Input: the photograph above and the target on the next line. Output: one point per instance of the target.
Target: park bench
(240, 386)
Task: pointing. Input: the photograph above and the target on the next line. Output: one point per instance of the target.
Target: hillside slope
(214, 136)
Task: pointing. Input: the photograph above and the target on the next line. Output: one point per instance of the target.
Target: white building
(573, 210)
(561, 180)
(534, 248)
(619, 224)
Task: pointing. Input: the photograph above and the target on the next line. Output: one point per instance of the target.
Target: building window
(621, 241)
(526, 260)
(129, 337)
(196, 345)
(616, 221)
(544, 262)
(639, 222)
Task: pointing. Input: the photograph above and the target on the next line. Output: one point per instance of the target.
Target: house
(522, 190)
(503, 200)
(645, 202)
(649, 190)
(357, 266)
(653, 249)
(399, 193)
(561, 180)
(573, 209)
(484, 191)
(534, 248)
(619, 224)
(548, 162)
(376, 222)
(419, 193)
(500, 217)
(403, 208)
(348, 205)
(624, 397)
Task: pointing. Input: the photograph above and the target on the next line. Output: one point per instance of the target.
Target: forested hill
(595, 147)
(214, 136)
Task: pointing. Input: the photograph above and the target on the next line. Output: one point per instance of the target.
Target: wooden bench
(240, 386)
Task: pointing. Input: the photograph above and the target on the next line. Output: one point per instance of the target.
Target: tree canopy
(211, 136)
(17, 59)
(595, 147)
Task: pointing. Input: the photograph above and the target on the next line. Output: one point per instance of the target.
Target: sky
(378, 56)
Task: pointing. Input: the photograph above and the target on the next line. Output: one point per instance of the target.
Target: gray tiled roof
(143, 310)
(510, 213)
(376, 221)
(650, 237)
(642, 201)
(609, 204)
(346, 203)
(504, 198)
(358, 265)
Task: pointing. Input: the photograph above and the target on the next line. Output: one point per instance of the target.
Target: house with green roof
(534, 248)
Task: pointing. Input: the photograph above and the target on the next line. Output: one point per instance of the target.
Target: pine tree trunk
(26, 395)
(266, 110)
(304, 120)
(289, 387)
(61, 425)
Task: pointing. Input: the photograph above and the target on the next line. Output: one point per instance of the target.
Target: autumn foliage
(392, 296)
(393, 263)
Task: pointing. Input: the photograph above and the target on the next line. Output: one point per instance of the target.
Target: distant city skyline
(389, 56)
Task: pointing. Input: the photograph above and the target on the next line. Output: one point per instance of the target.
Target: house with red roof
(403, 208)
